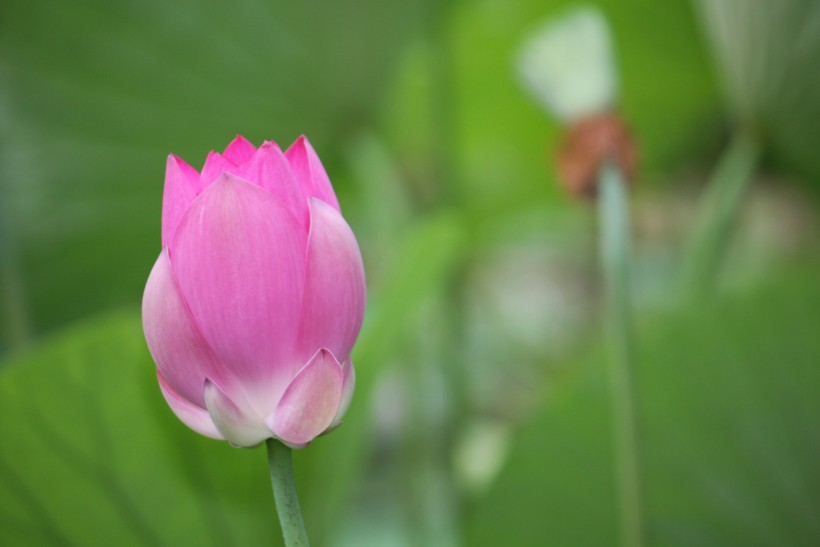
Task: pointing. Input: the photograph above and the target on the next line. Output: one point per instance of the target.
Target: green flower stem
(284, 492)
(713, 226)
(613, 210)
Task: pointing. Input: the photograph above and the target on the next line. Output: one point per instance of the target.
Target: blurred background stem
(615, 251)
(433, 498)
(712, 230)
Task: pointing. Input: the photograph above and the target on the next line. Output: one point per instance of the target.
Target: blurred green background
(481, 415)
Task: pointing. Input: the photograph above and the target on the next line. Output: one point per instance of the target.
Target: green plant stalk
(284, 492)
(712, 231)
(613, 209)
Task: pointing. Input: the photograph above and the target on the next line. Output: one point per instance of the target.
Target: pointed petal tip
(310, 402)
(239, 150)
(217, 158)
(178, 160)
(315, 202)
(299, 146)
(175, 166)
(309, 171)
(182, 185)
(226, 177)
(327, 355)
(215, 163)
(239, 139)
(270, 147)
(302, 141)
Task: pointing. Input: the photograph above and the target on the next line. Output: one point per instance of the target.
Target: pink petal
(178, 348)
(181, 182)
(239, 151)
(334, 285)
(347, 392)
(239, 259)
(310, 402)
(215, 165)
(190, 414)
(310, 172)
(237, 425)
(270, 169)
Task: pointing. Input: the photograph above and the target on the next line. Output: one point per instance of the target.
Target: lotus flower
(255, 302)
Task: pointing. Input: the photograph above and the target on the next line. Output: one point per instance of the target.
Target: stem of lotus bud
(712, 231)
(615, 251)
(284, 492)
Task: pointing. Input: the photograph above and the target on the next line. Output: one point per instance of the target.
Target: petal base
(236, 425)
(195, 417)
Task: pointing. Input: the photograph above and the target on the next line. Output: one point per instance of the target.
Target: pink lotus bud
(257, 297)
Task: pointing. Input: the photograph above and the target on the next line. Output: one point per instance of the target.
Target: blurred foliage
(97, 426)
(505, 143)
(444, 169)
(420, 264)
(730, 402)
(768, 59)
(95, 94)
(730, 443)
(128, 472)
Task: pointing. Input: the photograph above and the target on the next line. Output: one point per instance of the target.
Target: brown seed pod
(589, 142)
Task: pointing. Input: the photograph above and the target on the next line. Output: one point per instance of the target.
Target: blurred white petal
(568, 65)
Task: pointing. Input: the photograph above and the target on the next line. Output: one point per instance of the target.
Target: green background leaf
(129, 473)
(94, 95)
(729, 407)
